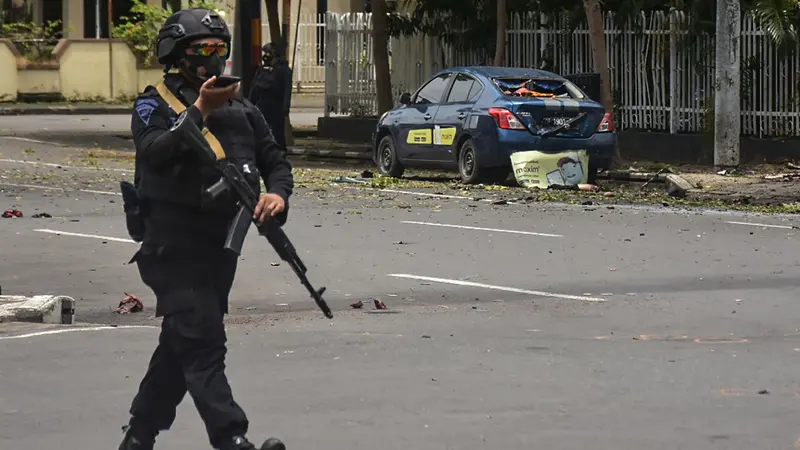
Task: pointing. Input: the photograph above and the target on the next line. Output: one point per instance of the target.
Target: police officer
(182, 256)
(272, 90)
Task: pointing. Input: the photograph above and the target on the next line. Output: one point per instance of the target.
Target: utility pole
(727, 82)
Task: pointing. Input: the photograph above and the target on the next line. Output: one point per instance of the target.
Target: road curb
(52, 309)
(364, 156)
(30, 110)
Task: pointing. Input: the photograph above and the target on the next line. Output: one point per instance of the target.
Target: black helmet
(185, 26)
(274, 49)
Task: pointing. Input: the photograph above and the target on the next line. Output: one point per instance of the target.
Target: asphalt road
(510, 326)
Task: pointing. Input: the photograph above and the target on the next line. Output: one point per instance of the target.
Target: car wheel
(468, 164)
(388, 162)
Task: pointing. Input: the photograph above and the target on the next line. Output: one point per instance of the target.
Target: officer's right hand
(212, 98)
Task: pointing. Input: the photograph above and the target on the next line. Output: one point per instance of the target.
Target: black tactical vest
(186, 182)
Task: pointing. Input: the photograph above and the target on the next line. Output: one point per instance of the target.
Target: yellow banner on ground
(541, 169)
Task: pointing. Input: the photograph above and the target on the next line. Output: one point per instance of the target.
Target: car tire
(469, 167)
(498, 174)
(387, 160)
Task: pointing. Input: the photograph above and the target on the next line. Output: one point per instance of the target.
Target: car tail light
(607, 124)
(506, 119)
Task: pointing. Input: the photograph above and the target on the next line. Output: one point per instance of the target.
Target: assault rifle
(234, 180)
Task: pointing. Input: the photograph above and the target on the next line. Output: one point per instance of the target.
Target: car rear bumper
(601, 146)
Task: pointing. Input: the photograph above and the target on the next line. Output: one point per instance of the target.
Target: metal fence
(662, 76)
(308, 52)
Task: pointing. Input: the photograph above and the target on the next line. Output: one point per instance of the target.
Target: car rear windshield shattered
(537, 87)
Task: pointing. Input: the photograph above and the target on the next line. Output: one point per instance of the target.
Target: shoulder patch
(144, 108)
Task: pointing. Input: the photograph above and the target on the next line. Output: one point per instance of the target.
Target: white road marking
(92, 236)
(69, 330)
(761, 225)
(52, 188)
(62, 166)
(498, 230)
(498, 288)
(36, 141)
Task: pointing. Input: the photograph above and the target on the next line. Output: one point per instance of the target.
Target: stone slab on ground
(677, 186)
(52, 309)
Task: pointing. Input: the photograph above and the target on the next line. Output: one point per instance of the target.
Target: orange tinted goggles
(220, 49)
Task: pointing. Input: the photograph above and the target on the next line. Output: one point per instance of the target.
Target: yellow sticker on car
(419, 136)
(444, 136)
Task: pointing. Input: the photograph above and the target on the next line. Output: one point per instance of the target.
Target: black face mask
(198, 69)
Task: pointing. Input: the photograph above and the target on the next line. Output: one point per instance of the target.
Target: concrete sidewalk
(300, 103)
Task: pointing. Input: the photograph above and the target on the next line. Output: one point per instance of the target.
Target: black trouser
(192, 292)
(277, 123)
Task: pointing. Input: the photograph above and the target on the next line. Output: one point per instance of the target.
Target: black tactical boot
(137, 438)
(273, 444)
(241, 443)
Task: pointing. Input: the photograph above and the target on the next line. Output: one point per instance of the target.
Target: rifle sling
(179, 108)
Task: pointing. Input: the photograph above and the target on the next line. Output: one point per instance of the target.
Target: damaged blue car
(472, 119)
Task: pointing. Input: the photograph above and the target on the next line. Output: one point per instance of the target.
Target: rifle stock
(233, 179)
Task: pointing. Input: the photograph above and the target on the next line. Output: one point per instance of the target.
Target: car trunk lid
(552, 107)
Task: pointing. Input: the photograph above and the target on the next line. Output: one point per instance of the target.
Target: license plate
(555, 121)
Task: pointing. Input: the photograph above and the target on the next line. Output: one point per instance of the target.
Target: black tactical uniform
(272, 91)
(182, 258)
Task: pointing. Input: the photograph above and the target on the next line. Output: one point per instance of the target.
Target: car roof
(502, 72)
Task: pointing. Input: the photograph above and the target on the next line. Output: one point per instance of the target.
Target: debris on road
(379, 304)
(573, 187)
(12, 213)
(783, 176)
(677, 186)
(130, 304)
(342, 179)
(357, 305)
(43, 215)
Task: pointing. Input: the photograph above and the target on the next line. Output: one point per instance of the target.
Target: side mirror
(405, 99)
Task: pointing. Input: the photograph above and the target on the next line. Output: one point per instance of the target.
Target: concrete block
(677, 186)
(52, 309)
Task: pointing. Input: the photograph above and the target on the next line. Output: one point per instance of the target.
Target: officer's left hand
(268, 205)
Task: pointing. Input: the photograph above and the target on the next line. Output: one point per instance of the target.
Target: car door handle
(427, 117)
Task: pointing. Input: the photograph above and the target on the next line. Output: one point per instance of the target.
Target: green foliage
(140, 29)
(34, 42)
(471, 26)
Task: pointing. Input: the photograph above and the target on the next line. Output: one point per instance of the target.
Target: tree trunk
(597, 39)
(380, 48)
(502, 33)
(273, 20)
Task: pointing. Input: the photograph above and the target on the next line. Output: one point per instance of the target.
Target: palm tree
(779, 18)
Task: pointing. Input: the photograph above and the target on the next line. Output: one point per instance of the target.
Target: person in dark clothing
(182, 256)
(272, 90)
